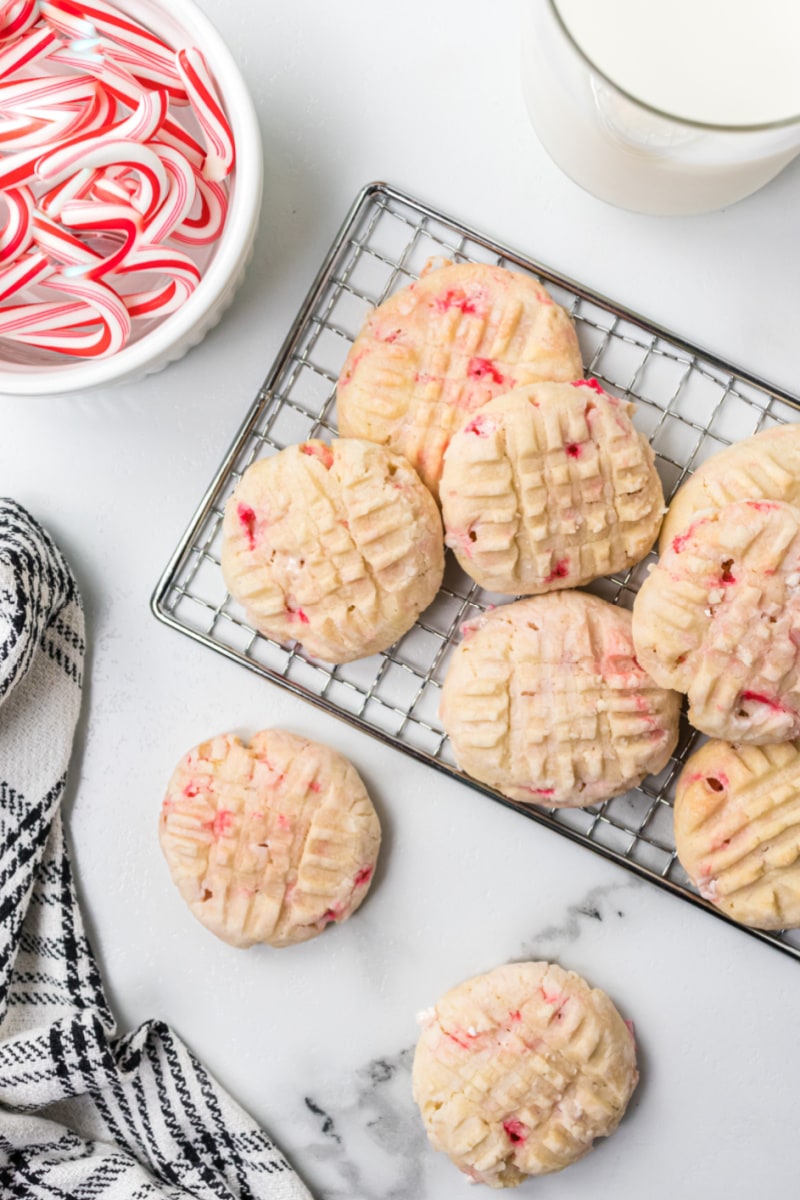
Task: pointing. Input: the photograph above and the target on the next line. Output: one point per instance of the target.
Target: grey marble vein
(366, 1140)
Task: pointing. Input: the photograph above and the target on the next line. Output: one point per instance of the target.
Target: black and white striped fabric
(84, 1114)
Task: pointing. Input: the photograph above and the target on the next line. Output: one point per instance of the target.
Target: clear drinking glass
(628, 153)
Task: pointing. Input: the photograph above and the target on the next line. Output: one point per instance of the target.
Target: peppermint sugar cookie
(545, 701)
(763, 467)
(516, 1072)
(737, 830)
(436, 351)
(549, 486)
(269, 842)
(339, 547)
(719, 619)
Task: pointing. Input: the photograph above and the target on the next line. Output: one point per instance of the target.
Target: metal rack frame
(689, 404)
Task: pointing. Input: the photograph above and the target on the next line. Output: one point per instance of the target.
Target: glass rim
(709, 126)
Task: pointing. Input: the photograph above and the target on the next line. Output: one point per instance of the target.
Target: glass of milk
(677, 107)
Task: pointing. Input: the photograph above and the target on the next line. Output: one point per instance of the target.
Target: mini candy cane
(140, 158)
(107, 19)
(29, 95)
(64, 247)
(120, 84)
(17, 17)
(100, 217)
(98, 304)
(19, 168)
(180, 197)
(140, 126)
(210, 117)
(32, 46)
(67, 20)
(18, 233)
(39, 128)
(184, 276)
(205, 228)
(24, 273)
(73, 188)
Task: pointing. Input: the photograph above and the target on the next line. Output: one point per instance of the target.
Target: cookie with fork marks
(517, 1071)
(270, 842)
(546, 702)
(550, 486)
(719, 619)
(338, 547)
(737, 830)
(436, 351)
(765, 466)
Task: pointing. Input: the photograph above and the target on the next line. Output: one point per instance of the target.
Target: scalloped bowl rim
(178, 332)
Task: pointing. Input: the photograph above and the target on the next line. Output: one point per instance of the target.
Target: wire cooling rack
(689, 404)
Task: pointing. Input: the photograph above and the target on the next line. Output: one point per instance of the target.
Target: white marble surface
(316, 1041)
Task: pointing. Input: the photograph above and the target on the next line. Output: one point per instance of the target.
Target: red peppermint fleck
(552, 997)
(351, 369)
(315, 786)
(481, 425)
(679, 542)
(760, 698)
(298, 613)
(573, 450)
(455, 298)
(762, 505)
(540, 791)
(484, 368)
(460, 1039)
(221, 823)
(559, 571)
(283, 821)
(589, 383)
(515, 1016)
(320, 451)
(248, 519)
(515, 1130)
(191, 789)
(363, 877)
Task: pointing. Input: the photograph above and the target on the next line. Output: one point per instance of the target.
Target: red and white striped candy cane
(26, 95)
(140, 126)
(28, 49)
(120, 84)
(24, 273)
(139, 158)
(96, 327)
(17, 17)
(147, 74)
(109, 20)
(207, 226)
(75, 187)
(180, 197)
(207, 107)
(183, 277)
(63, 247)
(101, 218)
(18, 232)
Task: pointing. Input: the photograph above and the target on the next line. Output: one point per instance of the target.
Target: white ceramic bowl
(179, 23)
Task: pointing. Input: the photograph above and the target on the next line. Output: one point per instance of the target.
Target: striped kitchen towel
(84, 1114)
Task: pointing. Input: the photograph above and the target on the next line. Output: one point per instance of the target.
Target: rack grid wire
(689, 404)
